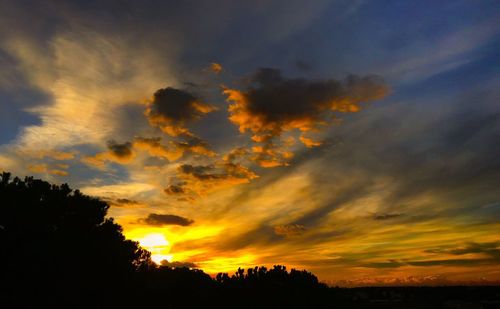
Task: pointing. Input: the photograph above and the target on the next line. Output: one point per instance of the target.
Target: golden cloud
(51, 153)
(58, 170)
(118, 153)
(273, 104)
(215, 67)
(154, 147)
(199, 180)
(289, 230)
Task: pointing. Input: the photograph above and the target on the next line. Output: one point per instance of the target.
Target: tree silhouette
(57, 242)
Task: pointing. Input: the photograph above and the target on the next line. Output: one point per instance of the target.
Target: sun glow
(158, 245)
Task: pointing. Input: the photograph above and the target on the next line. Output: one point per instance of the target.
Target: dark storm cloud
(171, 109)
(165, 219)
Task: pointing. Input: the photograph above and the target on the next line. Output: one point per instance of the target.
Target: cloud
(236, 153)
(273, 104)
(74, 68)
(196, 180)
(175, 149)
(465, 262)
(289, 230)
(269, 155)
(175, 189)
(491, 249)
(58, 170)
(118, 153)
(154, 147)
(171, 109)
(125, 152)
(308, 142)
(195, 145)
(52, 154)
(215, 67)
(386, 216)
(164, 219)
(125, 190)
(123, 202)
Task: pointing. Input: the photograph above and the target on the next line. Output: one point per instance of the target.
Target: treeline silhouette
(59, 250)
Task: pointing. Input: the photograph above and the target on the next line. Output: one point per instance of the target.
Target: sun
(158, 245)
(154, 240)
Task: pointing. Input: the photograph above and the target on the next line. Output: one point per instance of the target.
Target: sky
(359, 140)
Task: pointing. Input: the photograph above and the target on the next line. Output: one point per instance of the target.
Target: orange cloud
(126, 152)
(308, 142)
(289, 230)
(118, 153)
(199, 180)
(269, 155)
(273, 104)
(44, 168)
(196, 145)
(154, 147)
(47, 153)
(215, 67)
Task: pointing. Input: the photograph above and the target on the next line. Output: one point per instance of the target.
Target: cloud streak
(155, 219)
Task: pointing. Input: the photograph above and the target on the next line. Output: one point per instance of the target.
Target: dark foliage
(56, 241)
(58, 250)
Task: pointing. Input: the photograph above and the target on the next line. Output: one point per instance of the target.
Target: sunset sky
(359, 140)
